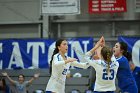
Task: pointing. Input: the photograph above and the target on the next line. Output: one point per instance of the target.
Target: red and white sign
(107, 6)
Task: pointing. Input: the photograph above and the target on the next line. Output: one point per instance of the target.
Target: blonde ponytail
(107, 54)
(108, 62)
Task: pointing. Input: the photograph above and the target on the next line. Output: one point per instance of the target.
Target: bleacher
(81, 83)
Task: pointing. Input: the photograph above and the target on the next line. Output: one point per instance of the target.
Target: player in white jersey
(106, 69)
(59, 65)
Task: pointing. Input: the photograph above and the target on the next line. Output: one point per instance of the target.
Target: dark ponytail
(4, 84)
(128, 55)
(123, 47)
(56, 50)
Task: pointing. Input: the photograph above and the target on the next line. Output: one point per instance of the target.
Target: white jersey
(104, 81)
(56, 82)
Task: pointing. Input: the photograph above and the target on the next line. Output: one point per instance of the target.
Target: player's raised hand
(36, 75)
(102, 41)
(4, 74)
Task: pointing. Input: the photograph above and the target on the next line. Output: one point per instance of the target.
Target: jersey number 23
(108, 76)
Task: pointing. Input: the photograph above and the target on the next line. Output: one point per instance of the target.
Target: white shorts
(55, 85)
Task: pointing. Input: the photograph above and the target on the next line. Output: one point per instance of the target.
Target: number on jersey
(64, 71)
(108, 76)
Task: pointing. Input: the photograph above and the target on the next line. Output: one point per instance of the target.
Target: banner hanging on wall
(133, 47)
(36, 53)
(60, 7)
(107, 6)
(137, 5)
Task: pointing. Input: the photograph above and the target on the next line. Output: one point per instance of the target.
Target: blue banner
(36, 53)
(133, 47)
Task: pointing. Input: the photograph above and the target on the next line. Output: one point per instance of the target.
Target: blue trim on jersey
(65, 56)
(119, 58)
(58, 57)
(104, 64)
(126, 80)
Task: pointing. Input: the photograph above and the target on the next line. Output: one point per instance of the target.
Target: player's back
(105, 81)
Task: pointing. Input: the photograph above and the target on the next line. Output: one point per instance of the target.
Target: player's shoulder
(122, 58)
(99, 61)
(115, 64)
(57, 55)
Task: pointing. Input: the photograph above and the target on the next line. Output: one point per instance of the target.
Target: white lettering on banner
(16, 58)
(34, 49)
(1, 61)
(136, 53)
(35, 54)
(1, 47)
(85, 45)
(77, 46)
(73, 44)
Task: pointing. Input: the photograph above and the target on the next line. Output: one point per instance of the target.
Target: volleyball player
(59, 66)
(125, 78)
(106, 69)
